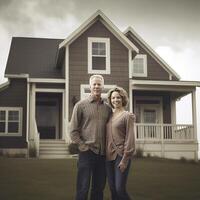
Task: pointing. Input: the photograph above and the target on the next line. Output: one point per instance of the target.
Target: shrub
(139, 153)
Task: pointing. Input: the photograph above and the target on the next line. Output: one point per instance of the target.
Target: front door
(151, 117)
(48, 115)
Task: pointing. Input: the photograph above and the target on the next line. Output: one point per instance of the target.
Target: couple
(106, 141)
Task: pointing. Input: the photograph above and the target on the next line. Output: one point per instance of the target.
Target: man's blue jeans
(117, 180)
(90, 165)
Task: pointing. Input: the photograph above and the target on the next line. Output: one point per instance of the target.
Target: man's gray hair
(97, 76)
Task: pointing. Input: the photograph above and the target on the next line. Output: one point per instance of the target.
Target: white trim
(46, 80)
(20, 122)
(144, 58)
(27, 111)
(130, 63)
(67, 83)
(107, 55)
(106, 21)
(17, 75)
(168, 83)
(152, 52)
(46, 90)
(51, 90)
(87, 86)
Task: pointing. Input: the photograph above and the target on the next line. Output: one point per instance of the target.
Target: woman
(120, 143)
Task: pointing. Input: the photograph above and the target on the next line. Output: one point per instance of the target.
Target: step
(53, 149)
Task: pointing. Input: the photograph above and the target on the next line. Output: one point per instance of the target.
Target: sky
(170, 27)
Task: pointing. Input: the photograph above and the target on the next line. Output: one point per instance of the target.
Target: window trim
(144, 66)
(87, 86)
(107, 57)
(7, 109)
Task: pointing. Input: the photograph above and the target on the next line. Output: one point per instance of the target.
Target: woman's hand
(122, 166)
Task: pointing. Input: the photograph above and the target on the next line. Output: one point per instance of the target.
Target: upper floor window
(98, 55)
(140, 65)
(10, 121)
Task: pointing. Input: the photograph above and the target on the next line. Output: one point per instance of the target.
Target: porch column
(194, 113)
(173, 110)
(32, 112)
(66, 115)
(194, 120)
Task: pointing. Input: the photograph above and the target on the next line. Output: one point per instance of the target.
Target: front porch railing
(166, 132)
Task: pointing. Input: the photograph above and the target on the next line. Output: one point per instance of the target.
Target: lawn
(150, 179)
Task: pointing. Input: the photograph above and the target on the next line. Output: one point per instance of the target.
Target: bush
(139, 153)
(183, 159)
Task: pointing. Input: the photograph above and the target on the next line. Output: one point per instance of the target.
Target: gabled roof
(99, 15)
(151, 51)
(33, 56)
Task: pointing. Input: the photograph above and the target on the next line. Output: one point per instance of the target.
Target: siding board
(78, 66)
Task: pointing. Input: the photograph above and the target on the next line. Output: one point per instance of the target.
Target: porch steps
(53, 149)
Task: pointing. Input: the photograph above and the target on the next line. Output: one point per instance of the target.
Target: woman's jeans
(90, 165)
(117, 180)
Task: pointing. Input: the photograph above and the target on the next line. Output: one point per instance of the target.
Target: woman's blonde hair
(121, 92)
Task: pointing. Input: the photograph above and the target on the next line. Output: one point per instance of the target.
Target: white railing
(166, 132)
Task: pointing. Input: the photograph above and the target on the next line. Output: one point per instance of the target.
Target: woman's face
(116, 100)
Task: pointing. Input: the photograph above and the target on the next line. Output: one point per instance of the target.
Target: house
(46, 77)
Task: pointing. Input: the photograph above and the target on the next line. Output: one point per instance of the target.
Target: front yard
(150, 179)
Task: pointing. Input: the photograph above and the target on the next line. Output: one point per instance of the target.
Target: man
(88, 129)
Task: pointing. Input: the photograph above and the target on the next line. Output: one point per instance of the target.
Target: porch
(167, 140)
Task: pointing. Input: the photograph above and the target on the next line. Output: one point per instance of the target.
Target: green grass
(150, 179)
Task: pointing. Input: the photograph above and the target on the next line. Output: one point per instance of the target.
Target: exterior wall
(78, 64)
(166, 102)
(154, 70)
(15, 96)
(175, 150)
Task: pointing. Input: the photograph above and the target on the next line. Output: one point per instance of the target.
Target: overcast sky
(170, 27)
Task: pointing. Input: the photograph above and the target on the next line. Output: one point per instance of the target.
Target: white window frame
(144, 57)
(7, 109)
(84, 95)
(107, 56)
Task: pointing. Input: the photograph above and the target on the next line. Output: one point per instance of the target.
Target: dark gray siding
(78, 70)
(15, 96)
(154, 70)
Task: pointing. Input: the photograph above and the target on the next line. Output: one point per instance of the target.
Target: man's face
(96, 87)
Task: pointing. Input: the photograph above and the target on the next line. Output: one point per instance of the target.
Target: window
(10, 121)
(85, 91)
(98, 55)
(140, 65)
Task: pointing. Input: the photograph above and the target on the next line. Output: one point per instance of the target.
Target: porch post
(173, 110)
(194, 113)
(194, 121)
(32, 112)
(66, 124)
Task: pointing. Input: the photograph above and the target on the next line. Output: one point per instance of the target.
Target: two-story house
(46, 77)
